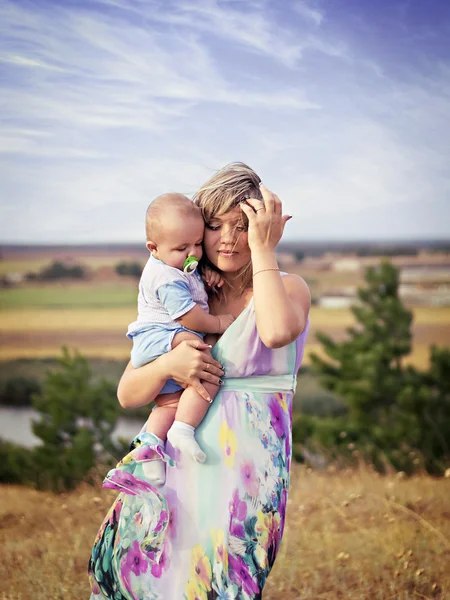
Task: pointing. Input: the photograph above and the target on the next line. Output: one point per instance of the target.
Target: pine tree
(395, 412)
(424, 411)
(366, 370)
(77, 417)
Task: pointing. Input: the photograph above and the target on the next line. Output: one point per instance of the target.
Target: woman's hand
(265, 221)
(191, 362)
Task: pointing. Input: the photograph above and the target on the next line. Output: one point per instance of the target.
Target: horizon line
(412, 240)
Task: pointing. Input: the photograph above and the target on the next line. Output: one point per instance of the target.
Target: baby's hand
(224, 322)
(212, 278)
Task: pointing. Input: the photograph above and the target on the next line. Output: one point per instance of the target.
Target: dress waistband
(260, 383)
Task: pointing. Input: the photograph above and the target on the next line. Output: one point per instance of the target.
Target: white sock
(155, 470)
(159, 441)
(181, 436)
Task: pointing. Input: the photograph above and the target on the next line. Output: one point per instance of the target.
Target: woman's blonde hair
(225, 190)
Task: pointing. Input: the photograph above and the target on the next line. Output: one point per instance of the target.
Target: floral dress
(213, 530)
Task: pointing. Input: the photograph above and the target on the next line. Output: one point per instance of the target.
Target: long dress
(214, 529)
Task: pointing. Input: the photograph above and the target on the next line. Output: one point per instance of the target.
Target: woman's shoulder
(298, 290)
(296, 287)
(295, 283)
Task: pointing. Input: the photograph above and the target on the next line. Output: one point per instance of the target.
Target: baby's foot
(155, 471)
(181, 436)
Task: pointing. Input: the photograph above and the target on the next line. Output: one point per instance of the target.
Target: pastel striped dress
(213, 530)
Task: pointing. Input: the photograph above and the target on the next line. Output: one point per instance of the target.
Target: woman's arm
(286, 298)
(187, 364)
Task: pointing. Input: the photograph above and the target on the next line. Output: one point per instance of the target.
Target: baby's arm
(199, 320)
(213, 279)
(177, 299)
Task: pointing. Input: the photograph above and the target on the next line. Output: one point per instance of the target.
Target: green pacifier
(190, 264)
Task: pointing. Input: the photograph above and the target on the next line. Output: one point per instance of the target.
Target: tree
(424, 411)
(77, 417)
(58, 270)
(366, 369)
(394, 412)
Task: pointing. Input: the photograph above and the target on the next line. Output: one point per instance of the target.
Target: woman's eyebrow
(233, 221)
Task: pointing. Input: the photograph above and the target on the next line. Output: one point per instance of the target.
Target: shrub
(130, 269)
(16, 464)
(18, 391)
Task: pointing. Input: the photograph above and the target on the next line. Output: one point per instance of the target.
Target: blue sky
(341, 106)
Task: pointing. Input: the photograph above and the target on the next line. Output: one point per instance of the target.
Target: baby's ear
(151, 246)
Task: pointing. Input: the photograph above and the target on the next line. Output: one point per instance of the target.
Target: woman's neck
(232, 281)
(231, 298)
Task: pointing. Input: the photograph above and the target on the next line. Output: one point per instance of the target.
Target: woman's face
(226, 241)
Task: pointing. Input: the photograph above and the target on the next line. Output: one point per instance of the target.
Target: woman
(214, 529)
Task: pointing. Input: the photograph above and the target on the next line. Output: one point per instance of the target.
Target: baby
(173, 307)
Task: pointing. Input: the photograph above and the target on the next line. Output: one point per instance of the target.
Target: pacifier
(190, 264)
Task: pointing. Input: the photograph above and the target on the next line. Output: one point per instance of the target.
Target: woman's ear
(151, 246)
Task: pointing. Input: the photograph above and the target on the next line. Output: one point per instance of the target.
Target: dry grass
(342, 317)
(70, 319)
(120, 350)
(419, 357)
(361, 536)
(32, 332)
(352, 535)
(22, 351)
(107, 318)
(23, 266)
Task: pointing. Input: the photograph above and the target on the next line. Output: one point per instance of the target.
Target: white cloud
(23, 61)
(109, 103)
(309, 12)
(122, 74)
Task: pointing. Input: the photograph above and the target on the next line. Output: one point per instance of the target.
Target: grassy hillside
(349, 536)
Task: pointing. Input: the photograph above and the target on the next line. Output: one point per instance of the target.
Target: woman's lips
(227, 253)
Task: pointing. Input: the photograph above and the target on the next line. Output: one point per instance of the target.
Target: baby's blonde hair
(225, 190)
(159, 210)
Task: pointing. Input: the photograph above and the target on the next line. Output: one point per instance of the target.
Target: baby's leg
(160, 420)
(159, 423)
(191, 410)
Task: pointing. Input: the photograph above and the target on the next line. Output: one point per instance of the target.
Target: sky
(341, 106)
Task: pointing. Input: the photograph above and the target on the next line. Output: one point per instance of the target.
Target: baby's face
(180, 237)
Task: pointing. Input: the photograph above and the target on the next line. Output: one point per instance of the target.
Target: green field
(59, 296)
(123, 293)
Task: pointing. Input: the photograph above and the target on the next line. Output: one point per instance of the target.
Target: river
(15, 426)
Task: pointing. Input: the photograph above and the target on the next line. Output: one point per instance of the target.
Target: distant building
(340, 297)
(425, 272)
(336, 301)
(286, 259)
(347, 264)
(13, 278)
(435, 295)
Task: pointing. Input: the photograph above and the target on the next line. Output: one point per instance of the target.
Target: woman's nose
(227, 234)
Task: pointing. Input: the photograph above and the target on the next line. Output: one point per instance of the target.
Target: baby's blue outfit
(165, 294)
